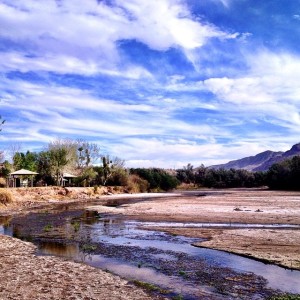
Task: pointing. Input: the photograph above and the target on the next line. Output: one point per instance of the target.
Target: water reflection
(125, 248)
(130, 235)
(5, 227)
(60, 249)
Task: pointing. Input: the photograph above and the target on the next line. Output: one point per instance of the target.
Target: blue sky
(158, 83)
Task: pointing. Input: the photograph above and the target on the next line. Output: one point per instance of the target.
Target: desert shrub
(2, 182)
(158, 179)
(118, 177)
(136, 184)
(96, 189)
(5, 197)
(118, 189)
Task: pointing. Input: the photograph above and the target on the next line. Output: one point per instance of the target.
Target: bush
(2, 182)
(136, 184)
(118, 177)
(158, 179)
(5, 197)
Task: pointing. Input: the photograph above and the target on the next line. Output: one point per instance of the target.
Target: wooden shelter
(20, 178)
(67, 179)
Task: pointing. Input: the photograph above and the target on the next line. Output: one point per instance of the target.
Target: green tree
(107, 169)
(186, 174)
(158, 179)
(44, 168)
(87, 177)
(26, 161)
(58, 161)
(6, 169)
(285, 175)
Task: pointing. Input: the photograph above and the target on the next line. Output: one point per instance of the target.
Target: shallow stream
(129, 249)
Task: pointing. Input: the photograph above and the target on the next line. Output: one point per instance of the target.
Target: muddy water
(127, 248)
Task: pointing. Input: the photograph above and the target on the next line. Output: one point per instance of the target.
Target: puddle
(4, 225)
(171, 262)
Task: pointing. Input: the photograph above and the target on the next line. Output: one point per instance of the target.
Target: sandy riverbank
(279, 246)
(27, 276)
(23, 274)
(26, 199)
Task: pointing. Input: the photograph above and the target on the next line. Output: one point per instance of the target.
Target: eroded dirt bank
(26, 199)
(27, 276)
(278, 246)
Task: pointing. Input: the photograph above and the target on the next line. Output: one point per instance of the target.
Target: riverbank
(274, 245)
(26, 199)
(24, 275)
(248, 206)
(27, 276)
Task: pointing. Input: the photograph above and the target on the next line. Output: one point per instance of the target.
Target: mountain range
(260, 162)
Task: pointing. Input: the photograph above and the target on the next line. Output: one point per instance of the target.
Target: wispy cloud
(270, 89)
(156, 82)
(75, 38)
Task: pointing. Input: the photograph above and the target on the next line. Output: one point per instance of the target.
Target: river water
(129, 249)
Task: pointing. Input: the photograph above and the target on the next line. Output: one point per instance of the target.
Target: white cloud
(47, 33)
(270, 89)
(168, 24)
(15, 61)
(144, 134)
(69, 37)
(177, 153)
(226, 3)
(296, 16)
(69, 111)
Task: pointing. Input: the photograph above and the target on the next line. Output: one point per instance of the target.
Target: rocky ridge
(260, 162)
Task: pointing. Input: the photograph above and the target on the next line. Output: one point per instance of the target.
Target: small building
(21, 178)
(67, 179)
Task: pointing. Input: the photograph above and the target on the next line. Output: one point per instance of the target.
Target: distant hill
(260, 162)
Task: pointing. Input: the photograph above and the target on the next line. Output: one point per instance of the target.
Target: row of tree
(91, 168)
(284, 175)
(220, 178)
(77, 157)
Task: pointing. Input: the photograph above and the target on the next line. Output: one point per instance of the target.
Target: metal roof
(23, 172)
(68, 175)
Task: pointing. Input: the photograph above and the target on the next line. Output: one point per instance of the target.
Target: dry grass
(2, 182)
(136, 184)
(5, 197)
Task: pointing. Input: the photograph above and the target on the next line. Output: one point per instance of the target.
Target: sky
(159, 83)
